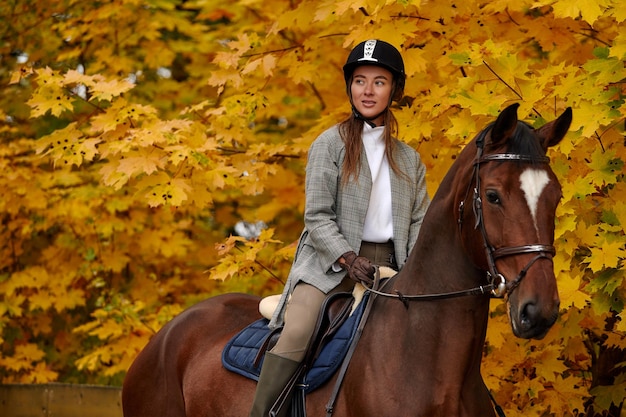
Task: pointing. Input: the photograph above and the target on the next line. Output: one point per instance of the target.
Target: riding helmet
(380, 53)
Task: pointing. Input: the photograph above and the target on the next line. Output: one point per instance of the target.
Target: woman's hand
(359, 268)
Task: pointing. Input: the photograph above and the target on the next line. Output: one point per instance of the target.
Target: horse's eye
(493, 197)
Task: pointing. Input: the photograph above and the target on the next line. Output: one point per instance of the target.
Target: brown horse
(489, 226)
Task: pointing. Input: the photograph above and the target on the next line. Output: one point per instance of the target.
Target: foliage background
(139, 136)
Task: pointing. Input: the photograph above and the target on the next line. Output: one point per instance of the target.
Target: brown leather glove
(359, 268)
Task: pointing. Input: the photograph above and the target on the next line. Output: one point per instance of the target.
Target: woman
(365, 201)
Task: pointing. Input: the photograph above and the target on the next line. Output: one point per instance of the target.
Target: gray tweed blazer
(334, 215)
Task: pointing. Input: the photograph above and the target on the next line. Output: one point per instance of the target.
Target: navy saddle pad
(239, 354)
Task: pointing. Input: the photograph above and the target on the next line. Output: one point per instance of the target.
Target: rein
(480, 290)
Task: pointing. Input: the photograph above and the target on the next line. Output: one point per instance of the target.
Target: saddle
(334, 331)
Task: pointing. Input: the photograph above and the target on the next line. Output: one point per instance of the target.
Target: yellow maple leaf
(498, 331)
(41, 299)
(614, 339)
(581, 187)
(605, 70)
(569, 394)
(89, 362)
(619, 13)
(32, 277)
(24, 355)
(481, 98)
(40, 374)
(550, 364)
(619, 209)
(141, 164)
(112, 177)
(266, 63)
(572, 82)
(70, 299)
(65, 146)
(297, 16)
(221, 176)
(107, 329)
(606, 395)
(608, 254)
(589, 10)
(325, 10)
(416, 60)
(49, 99)
(575, 349)
(529, 388)
(244, 42)
(508, 67)
(109, 119)
(106, 90)
(306, 71)
(605, 167)
(618, 48)
(225, 269)
(587, 235)
(569, 291)
(562, 260)
(593, 115)
(48, 86)
(87, 149)
(12, 306)
(22, 72)
(173, 192)
(76, 77)
(565, 222)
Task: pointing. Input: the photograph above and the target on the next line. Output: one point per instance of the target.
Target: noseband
(499, 284)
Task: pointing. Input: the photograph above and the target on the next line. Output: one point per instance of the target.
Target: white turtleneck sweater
(378, 226)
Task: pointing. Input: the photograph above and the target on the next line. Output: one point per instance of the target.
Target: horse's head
(509, 230)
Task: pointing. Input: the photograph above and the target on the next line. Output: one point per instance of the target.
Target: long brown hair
(351, 131)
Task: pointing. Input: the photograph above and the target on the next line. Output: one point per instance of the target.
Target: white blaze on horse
(490, 227)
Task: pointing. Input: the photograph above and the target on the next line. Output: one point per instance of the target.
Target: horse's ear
(551, 133)
(505, 124)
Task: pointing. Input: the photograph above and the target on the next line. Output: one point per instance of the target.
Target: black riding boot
(275, 374)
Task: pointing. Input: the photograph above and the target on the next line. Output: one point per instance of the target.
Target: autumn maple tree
(153, 155)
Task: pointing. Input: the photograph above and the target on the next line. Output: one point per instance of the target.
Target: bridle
(501, 287)
(497, 285)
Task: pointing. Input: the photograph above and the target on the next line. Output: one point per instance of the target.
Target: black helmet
(377, 52)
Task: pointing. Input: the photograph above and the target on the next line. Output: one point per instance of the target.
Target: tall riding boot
(275, 374)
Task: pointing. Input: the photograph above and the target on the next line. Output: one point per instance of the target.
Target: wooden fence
(60, 400)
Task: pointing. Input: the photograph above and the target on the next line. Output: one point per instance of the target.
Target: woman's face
(371, 89)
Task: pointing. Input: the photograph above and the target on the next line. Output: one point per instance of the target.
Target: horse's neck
(448, 333)
(439, 261)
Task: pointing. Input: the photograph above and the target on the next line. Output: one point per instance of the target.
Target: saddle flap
(334, 312)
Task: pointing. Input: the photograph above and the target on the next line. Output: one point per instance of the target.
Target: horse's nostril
(528, 315)
(532, 323)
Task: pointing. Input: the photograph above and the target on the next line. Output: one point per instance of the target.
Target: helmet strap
(358, 115)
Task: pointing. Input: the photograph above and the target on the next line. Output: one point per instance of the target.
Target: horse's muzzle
(530, 322)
